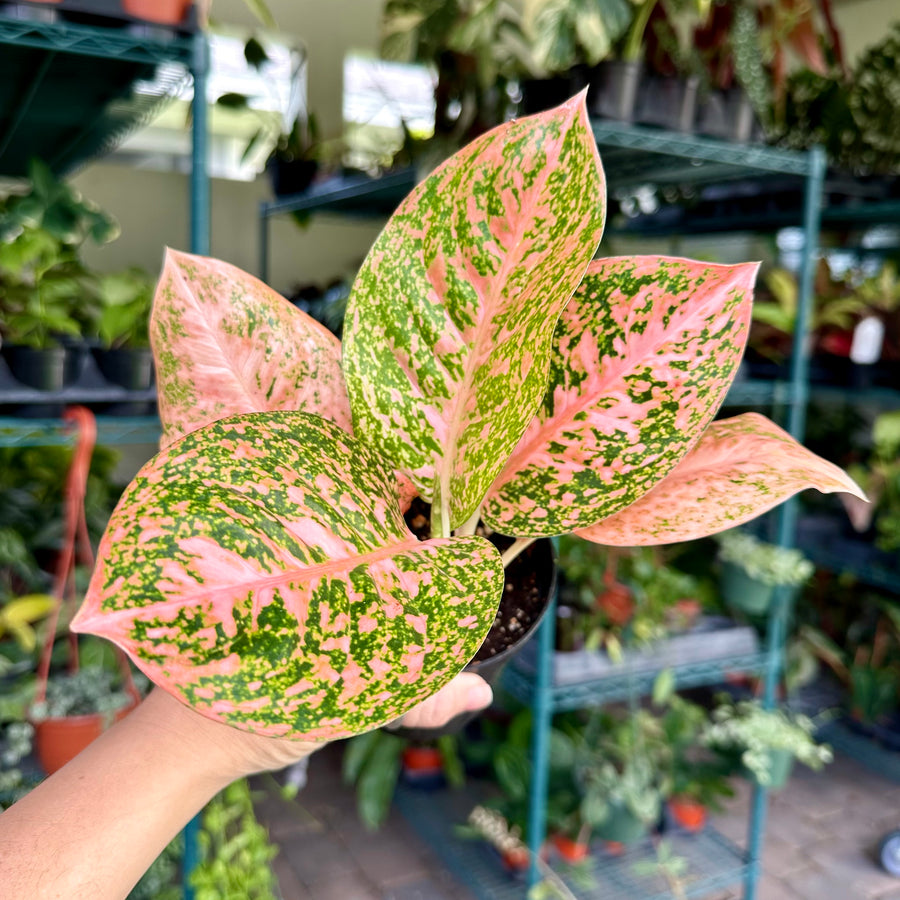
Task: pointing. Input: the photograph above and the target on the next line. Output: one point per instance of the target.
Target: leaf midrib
(306, 572)
(559, 420)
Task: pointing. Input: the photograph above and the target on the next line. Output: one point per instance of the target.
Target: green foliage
(124, 300)
(753, 732)
(764, 562)
(235, 850)
(564, 33)
(162, 881)
(45, 291)
(372, 763)
(90, 689)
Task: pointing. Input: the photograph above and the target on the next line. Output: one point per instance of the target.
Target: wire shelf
(64, 111)
(714, 863)
(625, 681)
(16, 432)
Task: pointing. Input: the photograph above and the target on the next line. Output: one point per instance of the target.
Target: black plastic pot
(492, 668)
(613, 89)
(539, 94)
(668, 102)
(128, 367)
(726, 114)
(43, 368)
(289, 177)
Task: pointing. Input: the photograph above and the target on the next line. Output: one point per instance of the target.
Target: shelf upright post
(787, 513)
(542, 712)
(264, 241)
(200, 211)
(199, 242)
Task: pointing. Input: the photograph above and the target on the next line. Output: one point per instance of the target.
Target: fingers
(467, 692)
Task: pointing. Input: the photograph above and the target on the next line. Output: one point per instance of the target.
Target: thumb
(465, 693)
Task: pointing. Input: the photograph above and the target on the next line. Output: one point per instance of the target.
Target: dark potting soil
(528, 579)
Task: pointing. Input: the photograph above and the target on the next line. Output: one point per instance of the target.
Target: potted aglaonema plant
(260, 569)
(124, 356)
(752, 570)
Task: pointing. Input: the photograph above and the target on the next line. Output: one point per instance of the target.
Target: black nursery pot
(43, 368)
(668, 102)
(539, 94)
(127, 367)
(291, 176)
(613, 90)
(531, 581)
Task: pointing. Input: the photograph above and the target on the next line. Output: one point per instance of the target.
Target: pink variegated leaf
(450, 321)
(643, 357)
(225, 343)
(741, 468)
(259, 569)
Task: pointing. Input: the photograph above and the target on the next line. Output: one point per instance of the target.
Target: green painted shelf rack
(633, 157)
(68, 96)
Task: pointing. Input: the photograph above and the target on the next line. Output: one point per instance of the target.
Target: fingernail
(479, 696)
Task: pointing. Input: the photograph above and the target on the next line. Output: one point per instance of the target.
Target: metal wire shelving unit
(633, 158)
(73, 98)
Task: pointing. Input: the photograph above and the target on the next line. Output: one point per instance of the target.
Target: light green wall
(152, 206)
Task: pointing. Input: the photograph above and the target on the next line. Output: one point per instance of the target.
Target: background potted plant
(121, 325)
(766, 741)
(45, 291)
(461, 378)
(752, 569)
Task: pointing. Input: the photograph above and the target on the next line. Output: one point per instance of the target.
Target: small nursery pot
(668, 102)
(622, 827)
(127, 367)
(570, 849)
(743, 592)
(57, 740)
(613, 89)
(688, 813)
(45, 369)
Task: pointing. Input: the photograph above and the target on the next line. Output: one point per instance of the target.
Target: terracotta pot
(572, 851)
(59, 740)
(163, 12)
(688, 813)
(422, 759)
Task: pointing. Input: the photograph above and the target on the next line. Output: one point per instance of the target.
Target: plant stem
(469, 526)
(512, 552)
(632, 50)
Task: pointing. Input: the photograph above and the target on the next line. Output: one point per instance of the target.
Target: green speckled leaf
(450, 320)
(225, 343)
(741, 468)
(260, 570)
(643, 357)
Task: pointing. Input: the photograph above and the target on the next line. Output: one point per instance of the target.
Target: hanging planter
(70, 711)
(60, 739)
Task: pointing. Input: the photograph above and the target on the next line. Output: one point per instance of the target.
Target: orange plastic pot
(56, 741)
(572, 851)
(688, 813)
(163, 12)
(422, 759)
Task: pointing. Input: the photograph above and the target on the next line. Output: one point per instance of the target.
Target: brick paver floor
(821, 840)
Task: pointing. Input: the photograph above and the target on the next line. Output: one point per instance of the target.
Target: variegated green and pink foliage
(259, 567)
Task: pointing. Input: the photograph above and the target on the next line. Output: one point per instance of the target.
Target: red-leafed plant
(260, 568)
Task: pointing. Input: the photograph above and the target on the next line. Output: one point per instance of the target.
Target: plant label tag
(868, 337)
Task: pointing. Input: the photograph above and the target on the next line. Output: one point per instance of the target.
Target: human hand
(231, 753)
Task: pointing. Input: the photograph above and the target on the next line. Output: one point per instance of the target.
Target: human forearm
(92, 829)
